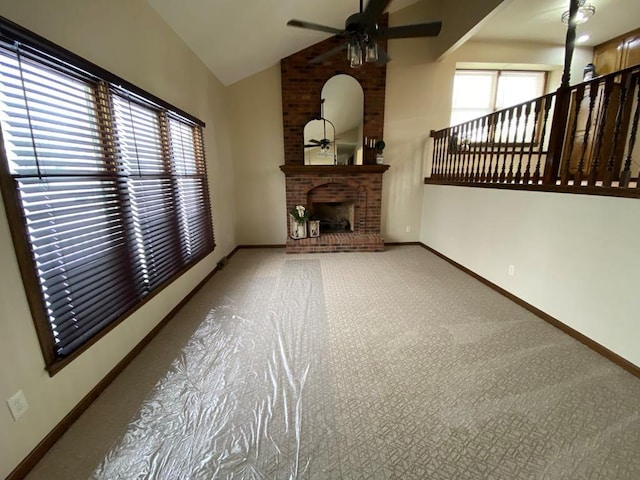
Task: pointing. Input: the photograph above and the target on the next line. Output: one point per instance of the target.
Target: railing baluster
(488, 123)
(443, 154)
(437, 156)
(447, 146)
(467, 152)
(536, 116)
(442, 141)
(622, 98)
(456, 158)
(495, 177)
(506, 147)
(435, 163)
(469, 170)
(566, 170)
(593, 95)
(595, 164)
(515, 114)
(625, 177)
(547, 106)
(465, 155)
(442, 138)
(527, 111)
(476, 150)
(450, 154)
(459, 158)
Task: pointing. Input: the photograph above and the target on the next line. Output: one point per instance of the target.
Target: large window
(479, 92)
(105, 189)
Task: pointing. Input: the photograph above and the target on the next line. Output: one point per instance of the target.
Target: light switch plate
(17, 405)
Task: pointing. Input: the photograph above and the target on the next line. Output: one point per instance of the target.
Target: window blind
(111, 189)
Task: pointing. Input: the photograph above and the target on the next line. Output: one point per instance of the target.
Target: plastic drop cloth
(237, 402)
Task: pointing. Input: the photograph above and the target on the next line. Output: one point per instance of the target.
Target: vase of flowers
(298, 217)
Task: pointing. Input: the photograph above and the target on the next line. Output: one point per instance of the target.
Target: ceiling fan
(361, 31)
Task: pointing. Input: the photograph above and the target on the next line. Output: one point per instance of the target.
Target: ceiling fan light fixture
(584, 13)
(354, 54)
(361, 31)
(371, 52)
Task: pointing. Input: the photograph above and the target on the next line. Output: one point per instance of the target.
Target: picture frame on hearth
(314, 228)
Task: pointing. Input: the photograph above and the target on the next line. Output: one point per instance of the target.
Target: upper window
(105, 190)
(479, 92)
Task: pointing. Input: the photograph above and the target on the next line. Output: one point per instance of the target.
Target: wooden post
(570, 42)
(563, 100)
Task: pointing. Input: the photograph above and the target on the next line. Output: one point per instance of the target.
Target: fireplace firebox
(334, 217)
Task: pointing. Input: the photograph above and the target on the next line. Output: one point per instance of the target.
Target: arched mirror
(337, 137)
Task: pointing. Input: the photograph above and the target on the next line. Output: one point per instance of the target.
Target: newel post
(557, 135)
(563, 100)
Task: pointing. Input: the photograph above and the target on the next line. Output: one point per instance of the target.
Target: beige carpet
(356, 366)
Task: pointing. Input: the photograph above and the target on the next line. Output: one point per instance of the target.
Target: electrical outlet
(512, 270)
(17, 405)
(408, 229)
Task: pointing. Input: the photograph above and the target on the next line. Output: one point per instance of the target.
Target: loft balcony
(579, 139)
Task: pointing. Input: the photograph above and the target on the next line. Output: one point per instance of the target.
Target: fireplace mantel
(332, 169)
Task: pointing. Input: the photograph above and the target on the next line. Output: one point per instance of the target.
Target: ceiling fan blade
(321, 58)
(314, 26)
(409, 31)
(373, 10)
(317, 142)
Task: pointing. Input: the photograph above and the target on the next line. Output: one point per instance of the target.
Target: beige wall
(128, 38)
(575, 256)
(258, 151)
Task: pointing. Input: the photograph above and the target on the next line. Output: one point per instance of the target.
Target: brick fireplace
(359, 187)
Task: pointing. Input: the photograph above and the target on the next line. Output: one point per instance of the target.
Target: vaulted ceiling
(237, 39)
(539, 21)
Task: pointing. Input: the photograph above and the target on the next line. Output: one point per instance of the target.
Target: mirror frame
(341, 124)
(343, 98)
